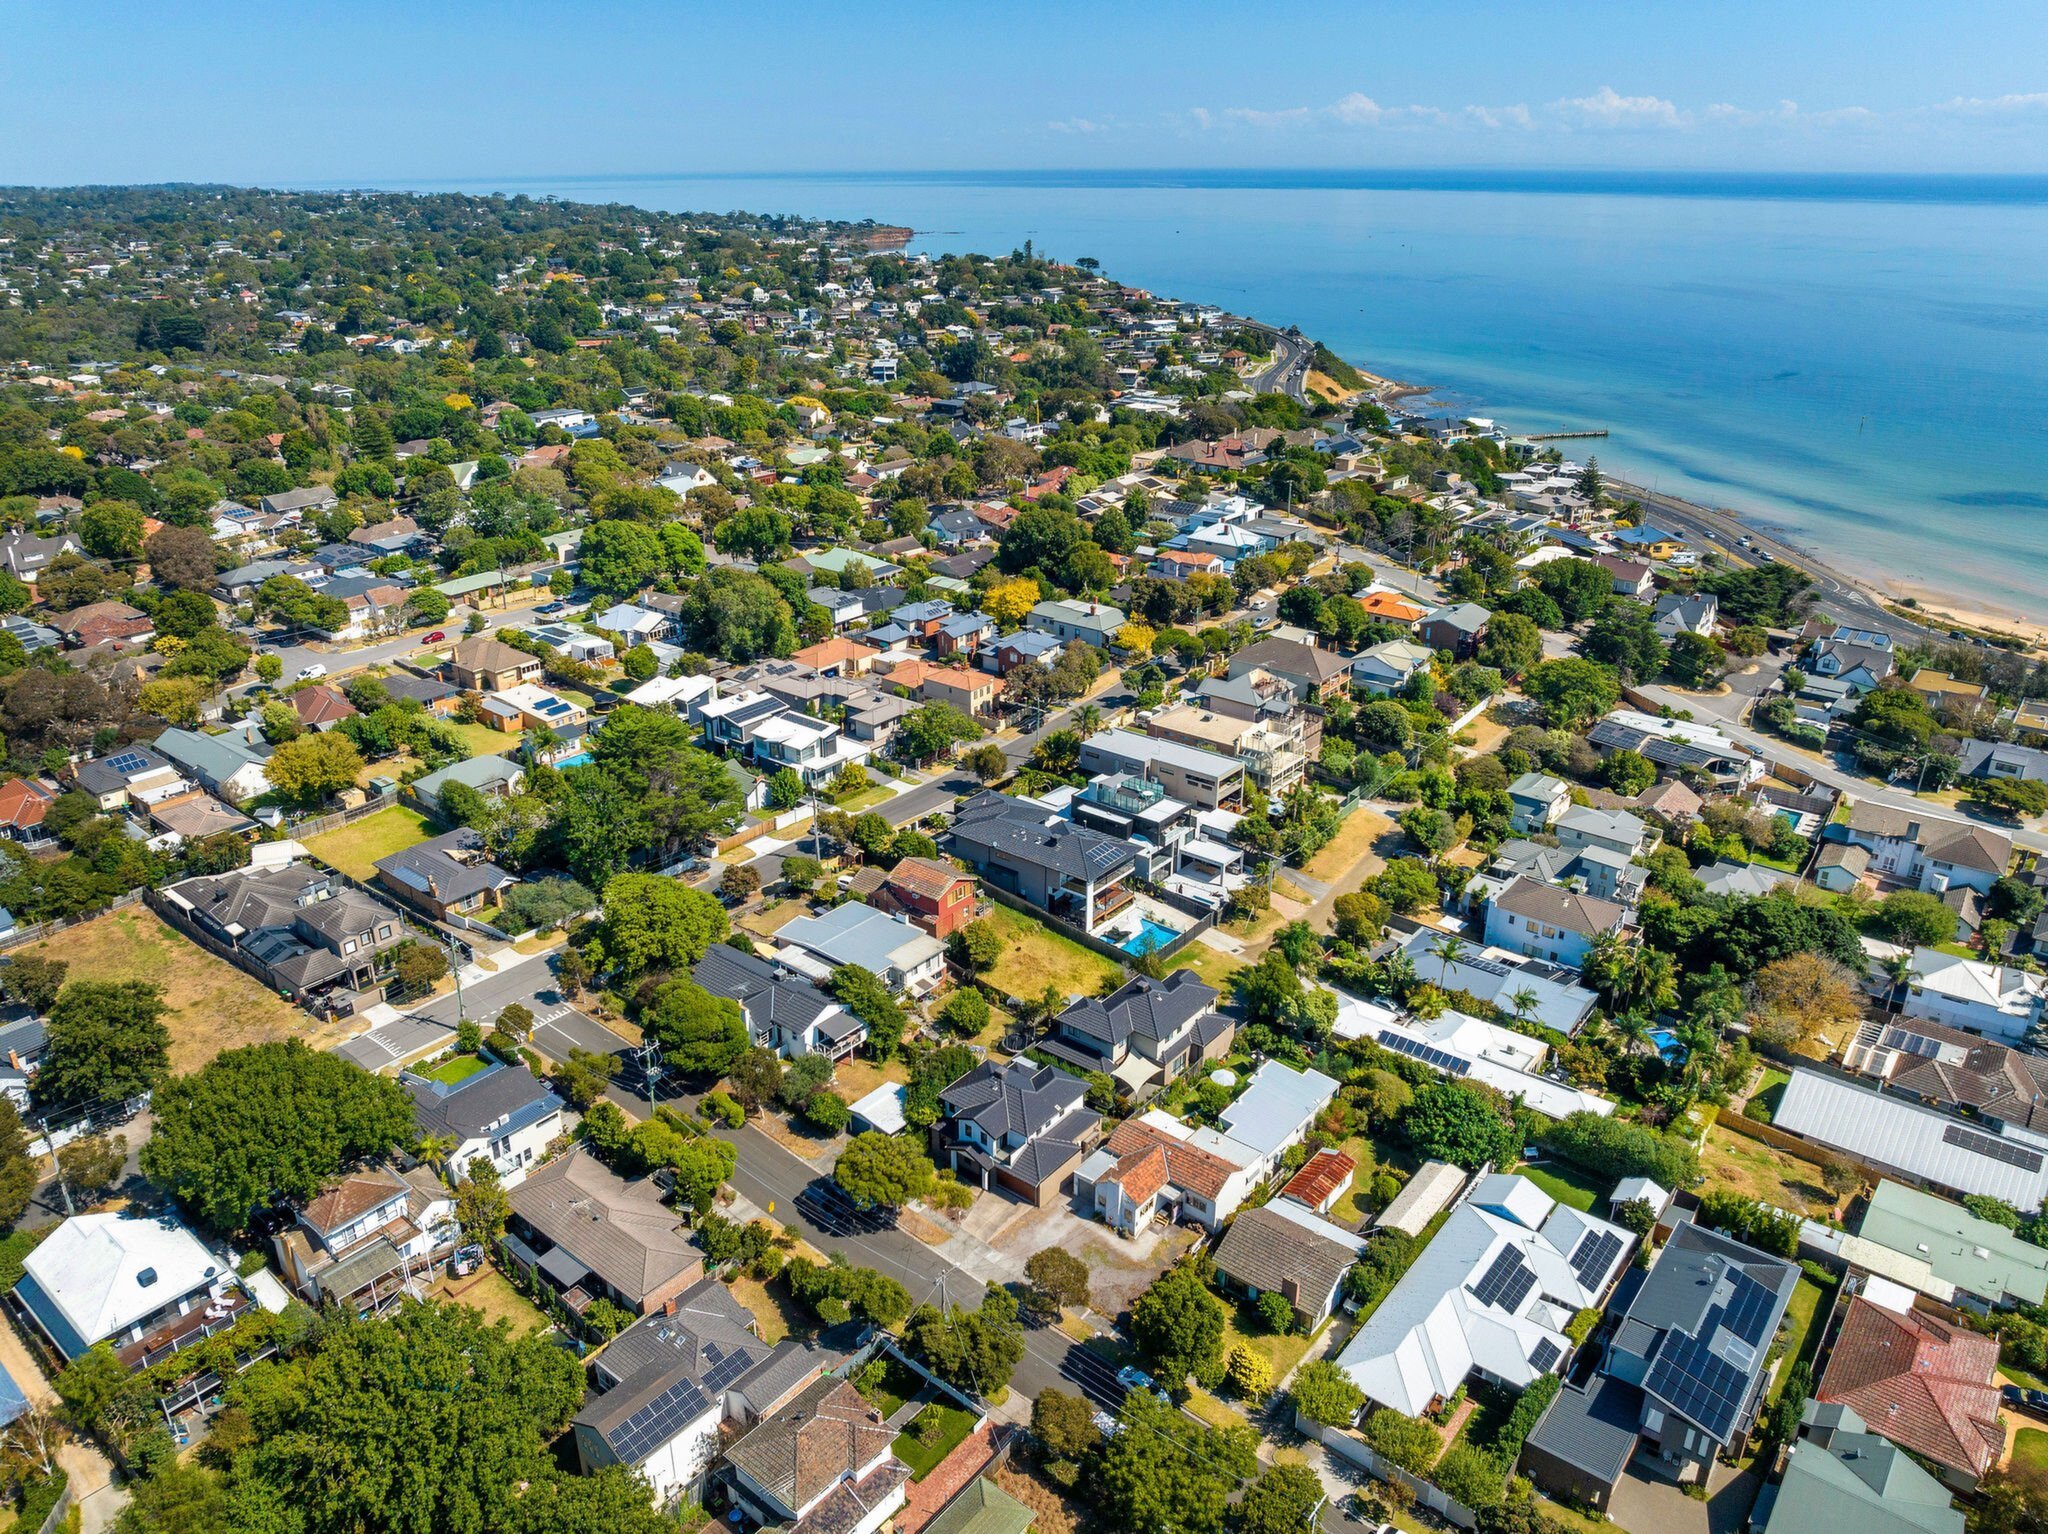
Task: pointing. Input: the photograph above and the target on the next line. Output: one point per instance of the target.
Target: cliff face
(885, 236)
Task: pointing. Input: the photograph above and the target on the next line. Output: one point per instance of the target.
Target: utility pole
(649, 1054)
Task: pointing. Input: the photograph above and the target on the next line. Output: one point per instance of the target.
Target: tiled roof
(353, 1196)
(1924, 1384)
(1187, 1167)
(623, 1231)
(826, 1433)
(1583, 914)
(1148, 1009)
(1267, 1251)
(925, 877)
(1320, 1176)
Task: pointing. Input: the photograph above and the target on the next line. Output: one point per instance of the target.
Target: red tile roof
(23, 803)
(1188, 1168)
(1927, 1386)
(1320, 1177)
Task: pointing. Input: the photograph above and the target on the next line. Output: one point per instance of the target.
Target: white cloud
(1996, 106)
(1498, 117)
(1079, 125)
(1608, 108)
(1252, 117)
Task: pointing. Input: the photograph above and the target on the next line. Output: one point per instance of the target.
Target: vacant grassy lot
(209, 1005)
(1763, 1103)
(355, 848)
(1034, 956)
(854, 1079)
(867, 798)
(1213, 965)
(482, 740)
(1566, 1184)
(767, 921)
(1354, 838)
(1212, 1411)
(776, 1313)
(1763, 1172)
(491, 1292)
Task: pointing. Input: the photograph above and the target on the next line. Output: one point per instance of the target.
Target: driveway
(1643, 1503)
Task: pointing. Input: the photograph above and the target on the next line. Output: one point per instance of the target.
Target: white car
(312, 673)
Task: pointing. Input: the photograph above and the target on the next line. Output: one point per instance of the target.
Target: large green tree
(107, 1043)
(1161, 1473)
(268, 1122)
(1178, 1325)
(685, 792)
(879, 1170)
(700, 1034)
(651, 923)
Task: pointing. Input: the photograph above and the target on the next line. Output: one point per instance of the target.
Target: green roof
(1858, 1484)
(836, 560)
(463, 585)
(985, 1508)
(1977, 1256)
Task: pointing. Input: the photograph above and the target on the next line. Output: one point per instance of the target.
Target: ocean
(1856, 362)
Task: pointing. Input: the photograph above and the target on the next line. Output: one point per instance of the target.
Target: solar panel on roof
(1506, 1282)
(1485, 966)
(1428, 1054)
(1595, 1251)
(128, 761)
(1699, 1384)
(1545, 1356)
(1998, 1150)
(1748, 1311)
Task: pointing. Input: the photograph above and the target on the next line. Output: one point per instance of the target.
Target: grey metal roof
(1016, 1097)
(1889, 1132)
(447, 868)
(1593, 1429)
(767, 996)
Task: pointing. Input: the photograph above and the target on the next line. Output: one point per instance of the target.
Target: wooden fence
(314, 825)
(36, 931)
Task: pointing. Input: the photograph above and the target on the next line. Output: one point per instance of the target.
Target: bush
(1755, 1224)
(1616, 1149)
(722, 1107)
(827, 1111)
(1409, 1443)
(1471, 1477)
(1541, 1392)
(1324, 1393)
(1276, 1312)
(1249, 1374)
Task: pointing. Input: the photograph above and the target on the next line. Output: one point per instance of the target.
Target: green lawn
(482, 740)
(355, 848)
(1281, 1353)
(456, 1068)
(1567, 1184)
(2030, 1452)
(897, 1385)
(1034, 956)
(1802, 1339)
(1770, 1091)
(931, 1435)
(866, 799)
(1214, 966)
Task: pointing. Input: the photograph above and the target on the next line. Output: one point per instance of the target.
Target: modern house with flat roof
(1026, 849)
(1986, 1265)
(1194, 775)
(146, 1285)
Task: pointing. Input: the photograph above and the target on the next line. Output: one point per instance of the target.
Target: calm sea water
(1861, 362)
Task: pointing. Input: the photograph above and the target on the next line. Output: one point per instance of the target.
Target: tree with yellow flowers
(1010, 602)
(1136, 638)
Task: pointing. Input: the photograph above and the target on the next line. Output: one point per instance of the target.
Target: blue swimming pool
(1149, 934)
(1668, 1046)
(580, 759)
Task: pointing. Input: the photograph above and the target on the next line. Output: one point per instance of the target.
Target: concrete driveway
(1643, 1503)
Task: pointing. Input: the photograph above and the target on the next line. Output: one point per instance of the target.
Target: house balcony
(1075, 1054)
(182, 1332)
(1109, 902)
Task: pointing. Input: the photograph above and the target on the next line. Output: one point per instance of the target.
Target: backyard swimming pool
(1149, 934)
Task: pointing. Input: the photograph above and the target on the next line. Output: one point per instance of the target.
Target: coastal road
(1288, 372)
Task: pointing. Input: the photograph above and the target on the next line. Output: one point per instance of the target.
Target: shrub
(1249, 1374)
(1409, 1443)
(827, 1111)
(723, 1108)
(1276, 1312)
(1615, 1148)
(1758, 1225)
(1324, 1393)
(1471, 1476)
(1542, 1390)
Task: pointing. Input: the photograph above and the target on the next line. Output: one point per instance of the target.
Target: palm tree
(1523, 1001)
(435, 1150)
(1899, 969)
(1634, 1029)
(1087, 719)
(1397, 973)
(1448, 949)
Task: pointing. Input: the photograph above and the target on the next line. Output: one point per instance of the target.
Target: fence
(1794, 1145)
(316, 824)
(1089, 940)
(36, 931)
(1348, 1445)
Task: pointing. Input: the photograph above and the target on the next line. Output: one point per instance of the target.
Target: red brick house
(935, 895)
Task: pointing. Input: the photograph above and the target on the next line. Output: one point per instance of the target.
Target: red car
(434, 638)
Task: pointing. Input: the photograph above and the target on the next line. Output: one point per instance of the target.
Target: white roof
(1892, 1133)
(1494, 974)
(1309, 1220)
(670, 689)
(105, 1272)
(1630, 1189)
(1434, 1185)
(1280, 1104)
(1455, 1044)
(2012, 991)
(882, 1108)
(858, 934)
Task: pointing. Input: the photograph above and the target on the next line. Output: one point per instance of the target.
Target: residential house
(23, 804)
(231, 764)
(114, 624)
(1546, 922)
(529, 706)
(1538, 799)
(576, 645)
(1930, 1385)
(1999, 1001)
(1392, 607)
(1285, 1249)
(932, 894)
(1018, 1126)
(502, 1114)
(783, 1012)
(1929, 854)
(1472, 1049)
(1924, 1145)
(306, 934)
(1150, 1167)
(1489, 1298)
(320, 707)
(1024, 848)
(144, 1284)
(1023, 648)
(974, 693)
(1972, 1261)
(963, 634)
(906, 959)
(1841, 1478)
(482, 664)
(667, 1389)
(1618, 831)
(1067, 620)
(369, 1239)
(1457, 629)
(1860, 666)
(1179, 564)
(1495, 975)
(589, 1234)
(822, 1462)
(837, 657)
(450, 874)
(134, 773)
(1696, 613)
(1985, 759)
(312, 498)
(1314, 674)
(26, 555)
(1630, 578)
(495, 777)
(632, 624)
(436, 697)
(983, 1507)
(1193, 775)
(1689, 1359)
(1387, 667)
(1145, 1034)
(1677, 743)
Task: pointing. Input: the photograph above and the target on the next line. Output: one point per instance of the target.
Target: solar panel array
(656, 1422)
(1699, 1383)
(1912, 1043)
(1484, 966)
(1596, 1250)
(1428, 1054)
(1545, 1356)
(724, 1369)
(128, 761)
(1506, 1282)
(1997, 1150)
(1748, 1312)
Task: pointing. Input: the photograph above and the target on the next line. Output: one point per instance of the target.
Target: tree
(700, 1034)
(987, 763)
(739, 883)
(181, 558)
(309, 769)
(1802, 996)
(18, 1174)
(1916, 918)
(31, 980)
(620, 557)
(1325, 1394)
(1571, 692)
(1511, 644)
(111, 529)
(965, 1013)
(1695, 660)
(1063, 1424)
(92, 1164)
(1058, 1279)
(267, 1122)
(827, 1112)
(1628, 772)
(786, 789)
(1161, 1473)
(801, 873)
(482, 1205)
(416, 967)
(1839, 1176)
(877, 1169)
(1408, 1441)
(1360, 917)
(1276, 1312)
(107, 1043)
(755, 1077)
(1283, 1500)
(650, 923)
(739, 616)
(977, 1350)
(863, 994)
(934, 729)
(977, 946)
(1010, 602)
(2015, 798)
(1459, 1123)
(1178, 1324)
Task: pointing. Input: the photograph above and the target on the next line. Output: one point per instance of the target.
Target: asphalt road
(1288, 372)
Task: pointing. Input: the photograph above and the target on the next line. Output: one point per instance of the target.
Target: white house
(1995, 1000)
(905, 958)
(1545, 922)
(502, 1113)
(1387, 667)
(823, 1460)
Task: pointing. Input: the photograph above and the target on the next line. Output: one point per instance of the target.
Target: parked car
(435, 638)
(549, 609)
(312, 673)
(1133, 1378)
(2037, 1401)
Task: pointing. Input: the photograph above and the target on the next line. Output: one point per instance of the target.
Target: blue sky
(383, 93)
